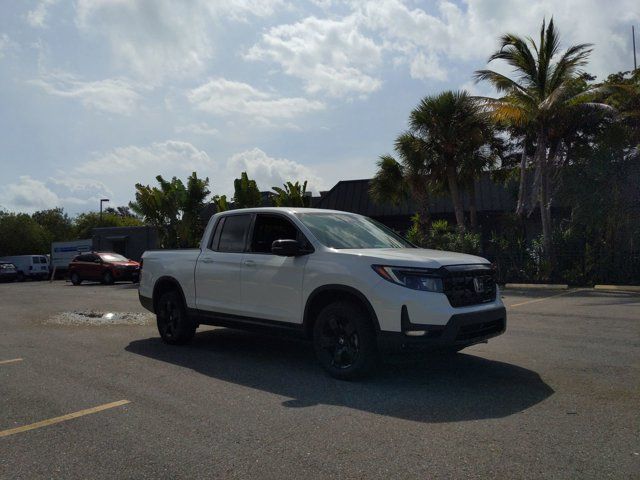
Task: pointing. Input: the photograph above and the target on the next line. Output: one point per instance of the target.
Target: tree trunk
(452, 179)
(423, 212)
(473, 207)
(522, 190)
(543, 199)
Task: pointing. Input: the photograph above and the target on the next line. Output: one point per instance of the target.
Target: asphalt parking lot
(557, 396)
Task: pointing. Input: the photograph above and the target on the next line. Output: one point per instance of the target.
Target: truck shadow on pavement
(432, 389)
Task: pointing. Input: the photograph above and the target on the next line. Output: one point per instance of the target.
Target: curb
(546, 286)
(623, 288)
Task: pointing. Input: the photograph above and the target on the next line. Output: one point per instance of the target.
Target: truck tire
(107, 278)
(75, 278)
(20, 277)
(344, 340)
(174, 325)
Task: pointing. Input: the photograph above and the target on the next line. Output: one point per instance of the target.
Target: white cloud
(112, 174)
(425, 67)
(341, 55)
(158, 38)
(28, 195)
(225, 97)
(197, 129)
(271, 172)
(329, 56)
(144, 163)
(38, 16)
(471, 31)
(5, 43)
(113, 95)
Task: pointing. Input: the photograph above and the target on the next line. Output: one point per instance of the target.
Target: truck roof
(284, 209)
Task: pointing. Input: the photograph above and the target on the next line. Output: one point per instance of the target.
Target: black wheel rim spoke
(169, 319)
(339, 342)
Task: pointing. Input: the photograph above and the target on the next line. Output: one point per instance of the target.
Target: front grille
(469, 285)
(479, 330)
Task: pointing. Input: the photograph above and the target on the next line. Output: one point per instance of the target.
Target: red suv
(105, 267)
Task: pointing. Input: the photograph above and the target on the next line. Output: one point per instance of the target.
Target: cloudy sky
(97, 95)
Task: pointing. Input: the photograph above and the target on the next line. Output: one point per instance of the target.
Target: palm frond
(388, 184)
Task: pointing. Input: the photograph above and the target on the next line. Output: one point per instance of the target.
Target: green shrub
(441, 236)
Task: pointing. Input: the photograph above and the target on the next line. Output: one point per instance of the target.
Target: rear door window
(233, 233)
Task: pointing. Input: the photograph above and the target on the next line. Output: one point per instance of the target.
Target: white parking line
(13, 360)
(63, 418)
(545, 298)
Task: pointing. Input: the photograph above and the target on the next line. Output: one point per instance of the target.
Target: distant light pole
(102, 200)
(633, 37)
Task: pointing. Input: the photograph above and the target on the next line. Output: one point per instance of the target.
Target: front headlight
(414, 278)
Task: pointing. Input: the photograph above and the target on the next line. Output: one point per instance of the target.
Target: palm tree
(246, 192)
(396, 182)
(453, 127)
(539, 98)
(483, 156)
(174, 208)
(292, 195)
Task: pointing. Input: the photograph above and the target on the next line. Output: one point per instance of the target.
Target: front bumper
(146, 302)
(132, 275)
(463, 329)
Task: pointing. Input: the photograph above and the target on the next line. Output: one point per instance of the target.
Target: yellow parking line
(63, 418)
(13, 360)
(545, 298)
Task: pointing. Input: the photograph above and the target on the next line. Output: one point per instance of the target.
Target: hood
(414, 257)
(129, 263)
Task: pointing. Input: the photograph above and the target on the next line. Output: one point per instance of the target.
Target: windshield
(113, 257)
(342, 230)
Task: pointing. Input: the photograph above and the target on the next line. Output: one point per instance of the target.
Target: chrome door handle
(207, 260)
(250, 263)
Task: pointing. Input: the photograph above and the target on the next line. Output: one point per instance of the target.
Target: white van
(62, 253)
(35, 267)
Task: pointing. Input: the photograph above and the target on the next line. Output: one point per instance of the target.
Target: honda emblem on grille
(478, 285)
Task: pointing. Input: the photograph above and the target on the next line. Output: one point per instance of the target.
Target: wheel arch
(326, 294)
(166, 284)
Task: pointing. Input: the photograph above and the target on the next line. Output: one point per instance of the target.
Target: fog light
(415, 333)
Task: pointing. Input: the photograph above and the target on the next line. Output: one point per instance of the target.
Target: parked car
(105, 267)
(8, 272)
(353, 286)
(62, 253)
(35, 267)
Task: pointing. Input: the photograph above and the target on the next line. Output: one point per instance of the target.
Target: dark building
(493, 199)
(130, 242)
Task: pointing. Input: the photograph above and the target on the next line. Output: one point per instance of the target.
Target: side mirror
(286, 248)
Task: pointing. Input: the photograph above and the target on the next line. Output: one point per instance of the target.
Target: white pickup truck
(348, 283)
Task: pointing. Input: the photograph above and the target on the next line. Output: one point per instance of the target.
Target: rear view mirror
(286, 248)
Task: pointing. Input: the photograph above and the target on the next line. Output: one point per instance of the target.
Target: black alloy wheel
(174, 325)
(344, 340)
(339, 342)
